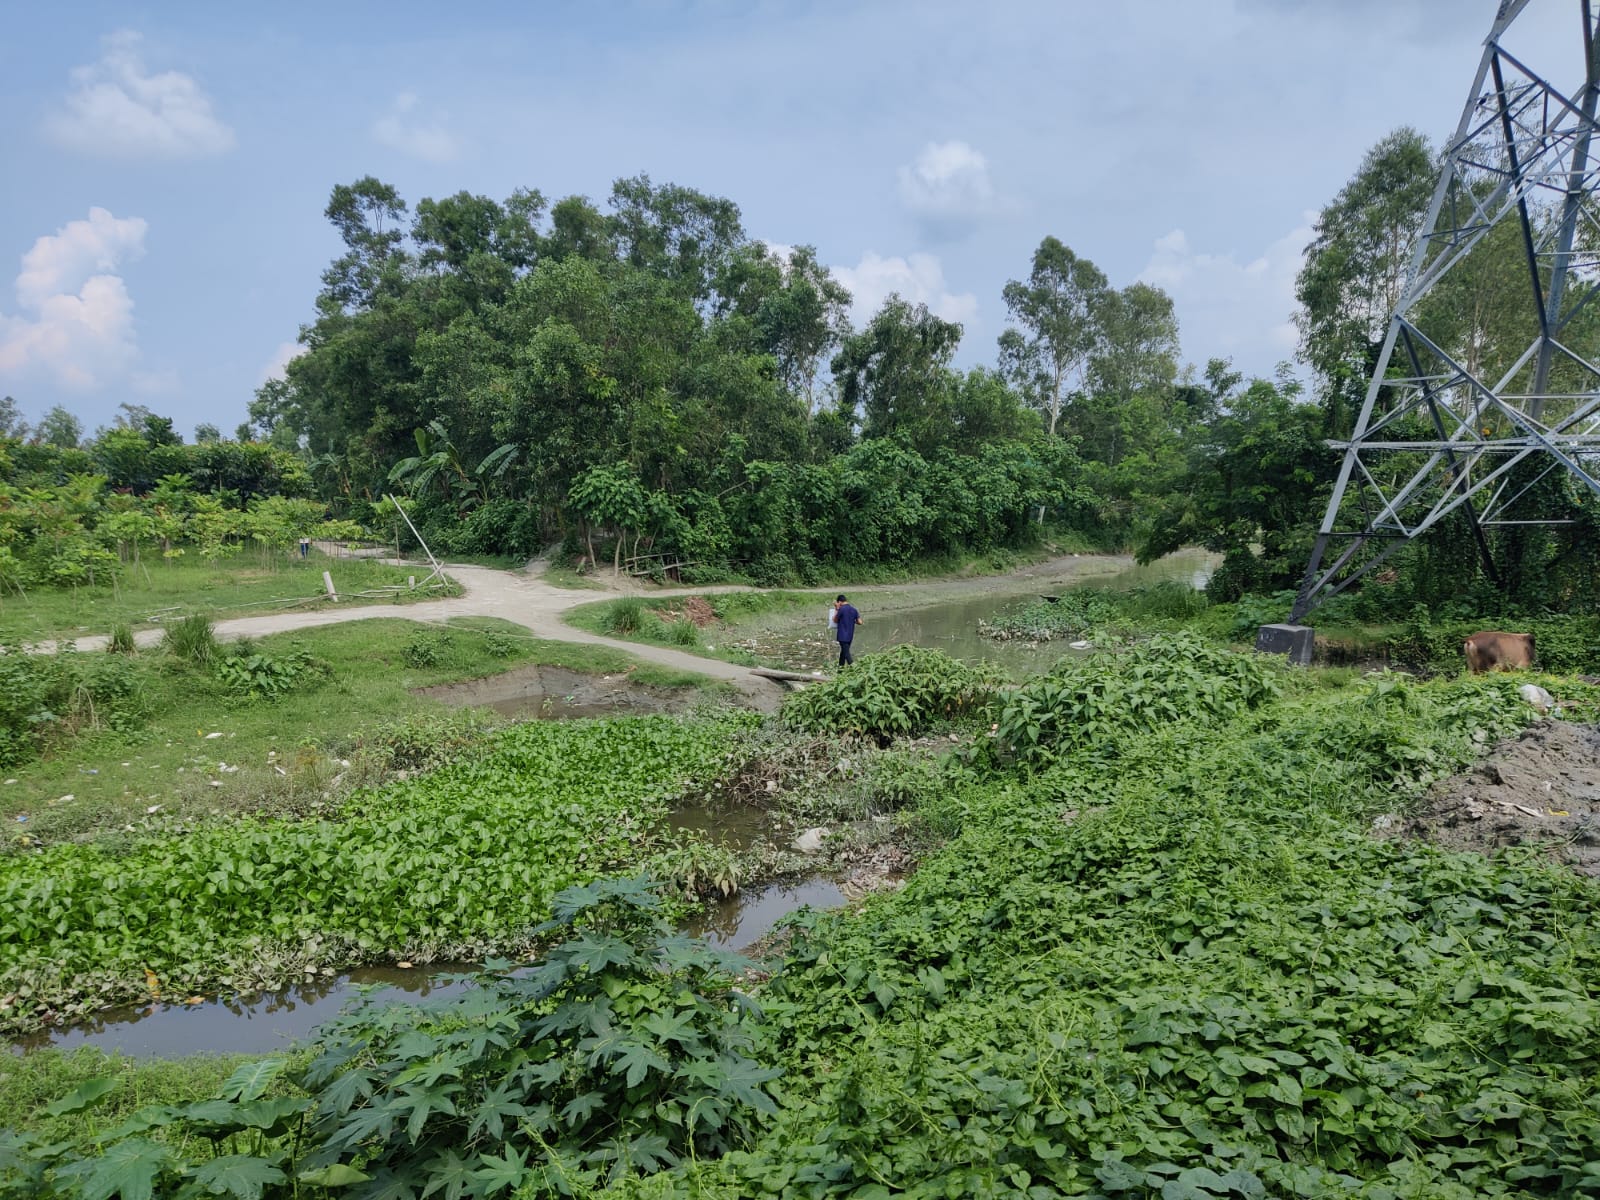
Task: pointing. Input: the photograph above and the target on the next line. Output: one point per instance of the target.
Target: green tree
(1058, 312)
(1255, 481)
(1356, 266)
(59, 428)
(896, 374)
(11, 423)
(678, 233)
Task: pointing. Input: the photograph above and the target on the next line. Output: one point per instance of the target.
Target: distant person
(846, 618)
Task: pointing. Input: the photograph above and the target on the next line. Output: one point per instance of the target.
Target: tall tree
(1356, 265)
(1058, 311)
(805, 319)
(368, 215)
(896, 374)
(59, 428)
(11, 423)
(676, 232)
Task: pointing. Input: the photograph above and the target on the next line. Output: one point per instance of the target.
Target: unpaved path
(538, 606)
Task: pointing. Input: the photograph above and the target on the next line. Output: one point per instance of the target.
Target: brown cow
(1494, 651)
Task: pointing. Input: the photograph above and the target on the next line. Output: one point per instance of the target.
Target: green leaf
(334, 1175)
(127, 1169)
(448, 1172)
(85, 1095)
(252, 1079)
(237, 1175)
(500, 1172)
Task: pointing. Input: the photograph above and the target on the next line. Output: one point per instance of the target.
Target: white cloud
(117, 110)
(403, 128)
(278, 365)
(76, 319)
(948, 188)
(1238, 309)
(918, 278)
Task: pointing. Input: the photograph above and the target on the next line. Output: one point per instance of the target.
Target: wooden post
(327, 580)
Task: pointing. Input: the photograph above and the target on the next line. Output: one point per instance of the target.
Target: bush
(1093, 701)
(252, 675)
(625, 616)
(192, 639)
(1168, 600)
(121, 640)
(425, 647)
(499, 645)
(420, 743)
(626, 1051)
(683, 632)
(901, 691)
(47, 697)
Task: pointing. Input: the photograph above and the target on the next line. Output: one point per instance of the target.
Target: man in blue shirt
(846, 619)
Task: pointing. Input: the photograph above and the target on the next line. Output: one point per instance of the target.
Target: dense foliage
(902, 691)
(81, 530)
(1169, 960)
(468, 856)
(649, 384)
(48, 697)
(626, 1050)
(1172, 677)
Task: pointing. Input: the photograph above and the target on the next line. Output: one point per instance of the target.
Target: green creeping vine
(464, 858)
(1195, 975)
(1171, 678)
(625, 1050)
(1167, 960)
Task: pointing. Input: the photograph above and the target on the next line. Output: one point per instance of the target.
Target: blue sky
(166, 165)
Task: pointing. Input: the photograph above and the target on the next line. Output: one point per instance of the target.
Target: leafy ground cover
(1164, 959)
(450, 863)
(161, 592)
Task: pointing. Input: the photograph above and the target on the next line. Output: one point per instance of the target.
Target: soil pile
(1541, 788)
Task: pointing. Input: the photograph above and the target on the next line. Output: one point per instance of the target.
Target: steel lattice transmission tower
(1447, 429)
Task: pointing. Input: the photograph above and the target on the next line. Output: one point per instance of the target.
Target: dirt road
(538, 606)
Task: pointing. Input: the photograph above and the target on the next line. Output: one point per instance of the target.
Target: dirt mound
(1541, 788)
(698, 610)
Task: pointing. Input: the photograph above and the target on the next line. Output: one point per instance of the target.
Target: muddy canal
(271, 1021)
(894, 619)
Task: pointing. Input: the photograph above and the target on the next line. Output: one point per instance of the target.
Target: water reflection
(952, 626)
(271, 1021)
(733, 826)
(251, 1024)
(741, 920)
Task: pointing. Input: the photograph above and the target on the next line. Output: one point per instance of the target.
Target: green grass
(30, 1082)
(287, 753)
(158, 592)
(657, 620)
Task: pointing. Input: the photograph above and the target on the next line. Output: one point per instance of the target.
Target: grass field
(155, 593)
(204, 753)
